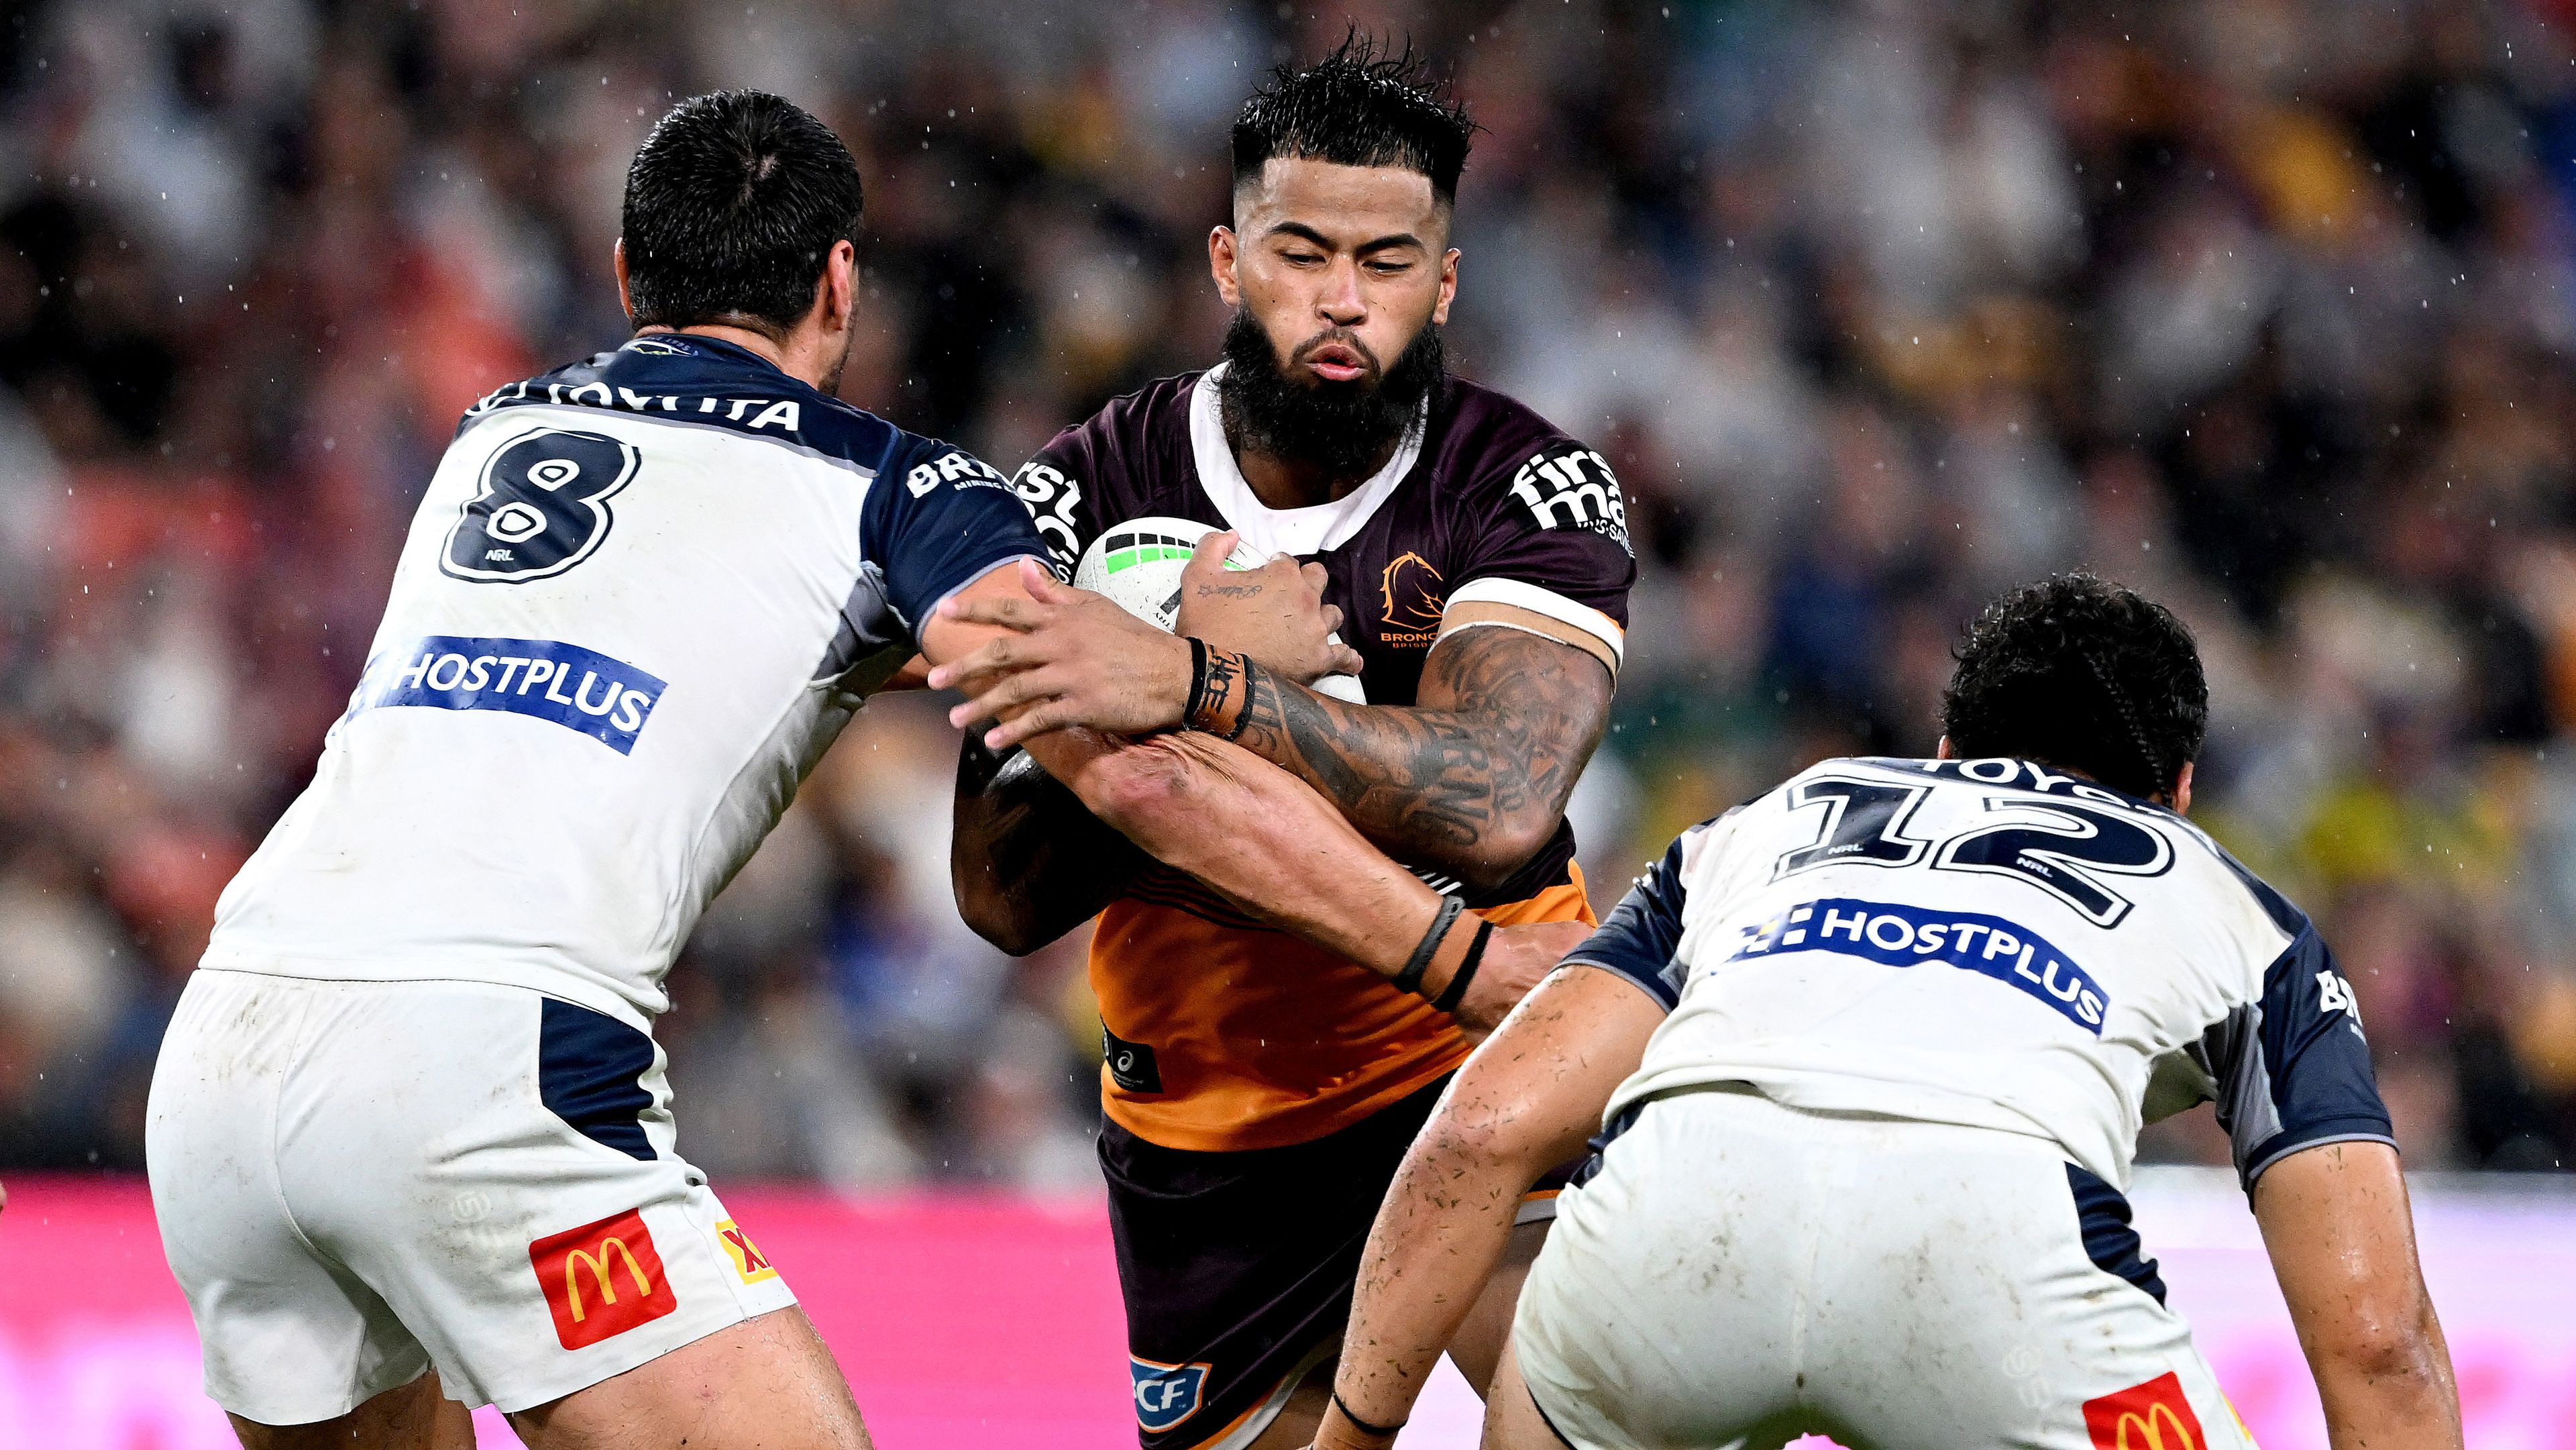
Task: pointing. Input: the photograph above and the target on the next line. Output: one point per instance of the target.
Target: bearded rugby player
(1873, 1050)
(410, 1138)
(1259, 1089)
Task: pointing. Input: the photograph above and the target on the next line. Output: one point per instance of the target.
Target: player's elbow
(2387, 1352)
(994, 917)
(1470, 1140)
(1500, 850)
(1136, 787)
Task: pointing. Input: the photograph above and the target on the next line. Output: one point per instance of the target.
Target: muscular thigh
(768, 1382)
(415, 1416)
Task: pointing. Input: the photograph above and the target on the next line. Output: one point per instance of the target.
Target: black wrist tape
(1456, 992)
(1198, 678)
(1363, 1426)
(1410, 979)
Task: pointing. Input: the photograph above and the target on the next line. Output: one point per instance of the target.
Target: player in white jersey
(1872, 1051)
(410, 1141)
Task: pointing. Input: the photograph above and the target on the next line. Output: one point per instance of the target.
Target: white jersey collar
(1302, 532)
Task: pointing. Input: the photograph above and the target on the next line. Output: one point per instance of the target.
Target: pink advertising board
(972, 1323)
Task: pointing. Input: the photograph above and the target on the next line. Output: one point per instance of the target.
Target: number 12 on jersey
(2060, 847)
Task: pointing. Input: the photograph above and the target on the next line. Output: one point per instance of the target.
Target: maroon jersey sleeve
(1108, 468)
(1551, 554)
(1061, 486)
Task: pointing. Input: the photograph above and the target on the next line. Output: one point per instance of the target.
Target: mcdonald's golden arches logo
(602, 1279)
(2151, 1416)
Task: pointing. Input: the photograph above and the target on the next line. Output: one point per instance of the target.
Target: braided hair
(2085, 675)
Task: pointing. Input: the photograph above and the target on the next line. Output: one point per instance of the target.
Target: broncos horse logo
(1410, 595)
(543, 507)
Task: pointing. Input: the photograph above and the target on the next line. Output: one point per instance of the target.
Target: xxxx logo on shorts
(2151, 1416)
(602, 1279)
(749, 1263)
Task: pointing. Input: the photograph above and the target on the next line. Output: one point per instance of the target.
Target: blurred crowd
(2263, 306)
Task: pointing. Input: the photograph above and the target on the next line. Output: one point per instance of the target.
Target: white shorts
(358, 1181)
(1740, 1273)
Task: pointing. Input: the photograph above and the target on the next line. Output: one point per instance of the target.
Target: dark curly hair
(2083, 675)
(732, 205)
(1356, 107)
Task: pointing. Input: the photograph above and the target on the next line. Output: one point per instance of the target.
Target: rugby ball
(1138, 564)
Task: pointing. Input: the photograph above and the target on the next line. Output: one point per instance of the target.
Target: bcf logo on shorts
(2151, 1416)
(602, 1279)
(1166, 1394)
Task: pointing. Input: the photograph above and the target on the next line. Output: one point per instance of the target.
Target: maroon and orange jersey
(1225, 1034)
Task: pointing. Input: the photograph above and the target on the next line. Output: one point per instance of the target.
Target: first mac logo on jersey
(543, 507)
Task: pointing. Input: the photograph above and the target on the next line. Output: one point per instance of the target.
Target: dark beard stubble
(1344, 429)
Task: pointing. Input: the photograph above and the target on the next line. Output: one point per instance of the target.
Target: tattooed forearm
(1471, 780)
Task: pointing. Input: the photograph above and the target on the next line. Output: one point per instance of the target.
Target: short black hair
(1357, 107)
(732, 205)
(2083, 675)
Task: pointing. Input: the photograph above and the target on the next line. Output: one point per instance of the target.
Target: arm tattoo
(1476, 773)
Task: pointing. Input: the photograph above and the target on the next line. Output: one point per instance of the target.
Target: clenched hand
(1075, 658)
(1275, 613)
(1072, 658)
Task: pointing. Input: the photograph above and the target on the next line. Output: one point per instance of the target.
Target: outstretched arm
(1472, 780)
(2342, 1239)
(1525, 1102)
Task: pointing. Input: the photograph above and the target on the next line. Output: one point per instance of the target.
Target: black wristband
(1456, 991)
(1363, 1426)
(1198, 678)
(1410, 979)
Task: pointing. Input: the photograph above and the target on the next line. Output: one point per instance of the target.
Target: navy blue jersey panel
(937, 521)
(707, 383)
(1638, 938)
(1588, 1167)
(590, 1073)
(2315, 1058)
(2102, 1213)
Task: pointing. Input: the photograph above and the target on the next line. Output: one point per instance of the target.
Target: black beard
(1344, 429)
